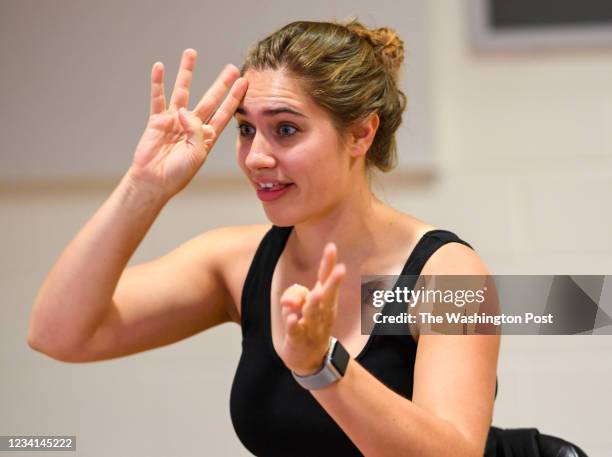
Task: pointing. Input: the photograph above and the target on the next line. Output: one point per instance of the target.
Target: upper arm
(168, 299)
(455, 375)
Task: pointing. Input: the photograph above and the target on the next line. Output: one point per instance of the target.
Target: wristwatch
(333, 369)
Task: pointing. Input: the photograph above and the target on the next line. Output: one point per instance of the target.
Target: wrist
(316, 366)
(141, 189)
(314, 369)
(333, 369)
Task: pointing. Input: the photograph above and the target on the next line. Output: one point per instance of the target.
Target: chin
(283, 216)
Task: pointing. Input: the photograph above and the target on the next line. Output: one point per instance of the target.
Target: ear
(361, 135)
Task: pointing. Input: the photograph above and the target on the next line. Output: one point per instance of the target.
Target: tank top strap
(429, 243)
(259, 277)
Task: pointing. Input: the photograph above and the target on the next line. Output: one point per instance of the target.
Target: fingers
(311, 309)
(321, 304)
(158, 100)
(191, 126)
(227, 109)
(295, 328)
(331, 288)
(330, 254)
(212, 98)
(292, 301)
(324, 294)
(314, 312)
(180, 93)
(228, 79)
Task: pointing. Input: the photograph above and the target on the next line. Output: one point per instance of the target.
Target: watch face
(339, 358)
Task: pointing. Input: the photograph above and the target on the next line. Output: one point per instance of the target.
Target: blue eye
(242, 130)
(284, 130)
(287, 130)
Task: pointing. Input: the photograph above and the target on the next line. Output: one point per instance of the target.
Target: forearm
(78, 290)
(383, 423)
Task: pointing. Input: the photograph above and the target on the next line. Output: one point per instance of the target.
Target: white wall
(525, 175)
(525, 145)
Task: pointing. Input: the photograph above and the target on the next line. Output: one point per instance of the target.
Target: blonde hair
(347, 69)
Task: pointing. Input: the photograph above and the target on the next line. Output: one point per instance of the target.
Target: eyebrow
(271, 111)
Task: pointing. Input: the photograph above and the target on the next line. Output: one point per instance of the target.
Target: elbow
(57, 355)
(465, 443)
(472, 448)
(34, 340)
(53, 343)
(38, 344)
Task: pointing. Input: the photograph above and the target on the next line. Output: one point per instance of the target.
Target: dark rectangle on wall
(506, 14)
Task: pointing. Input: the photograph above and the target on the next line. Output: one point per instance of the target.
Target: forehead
(270, 89)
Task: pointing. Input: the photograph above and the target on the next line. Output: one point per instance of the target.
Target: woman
(317, 107)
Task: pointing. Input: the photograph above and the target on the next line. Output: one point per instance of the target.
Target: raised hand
(177, 141)
(309, 315)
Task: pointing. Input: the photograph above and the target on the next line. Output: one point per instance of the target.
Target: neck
(354, 225)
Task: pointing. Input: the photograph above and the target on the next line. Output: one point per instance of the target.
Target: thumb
(200, 136)
(294, 296)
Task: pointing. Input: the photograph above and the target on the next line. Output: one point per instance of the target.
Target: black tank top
(271, 413)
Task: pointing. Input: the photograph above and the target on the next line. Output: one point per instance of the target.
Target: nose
(257, 156)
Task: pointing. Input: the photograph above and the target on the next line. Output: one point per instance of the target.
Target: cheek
(316, 164)
(317, 178)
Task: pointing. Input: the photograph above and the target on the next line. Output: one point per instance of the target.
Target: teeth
(269, 185)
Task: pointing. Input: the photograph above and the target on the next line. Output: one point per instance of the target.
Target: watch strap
(333, 369)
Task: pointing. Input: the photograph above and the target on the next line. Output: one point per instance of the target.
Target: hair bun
(385, 41)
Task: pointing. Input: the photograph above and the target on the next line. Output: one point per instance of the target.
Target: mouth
(272, 191)
(272, 186)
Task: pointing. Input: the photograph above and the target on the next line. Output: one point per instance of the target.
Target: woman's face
(286, 140)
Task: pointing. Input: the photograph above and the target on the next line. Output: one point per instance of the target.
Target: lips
(272, 186)
(275, 192)
(264, 183)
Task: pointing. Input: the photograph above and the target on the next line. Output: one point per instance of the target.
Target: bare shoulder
(455, 258)
(235, 248)
(452, 258)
